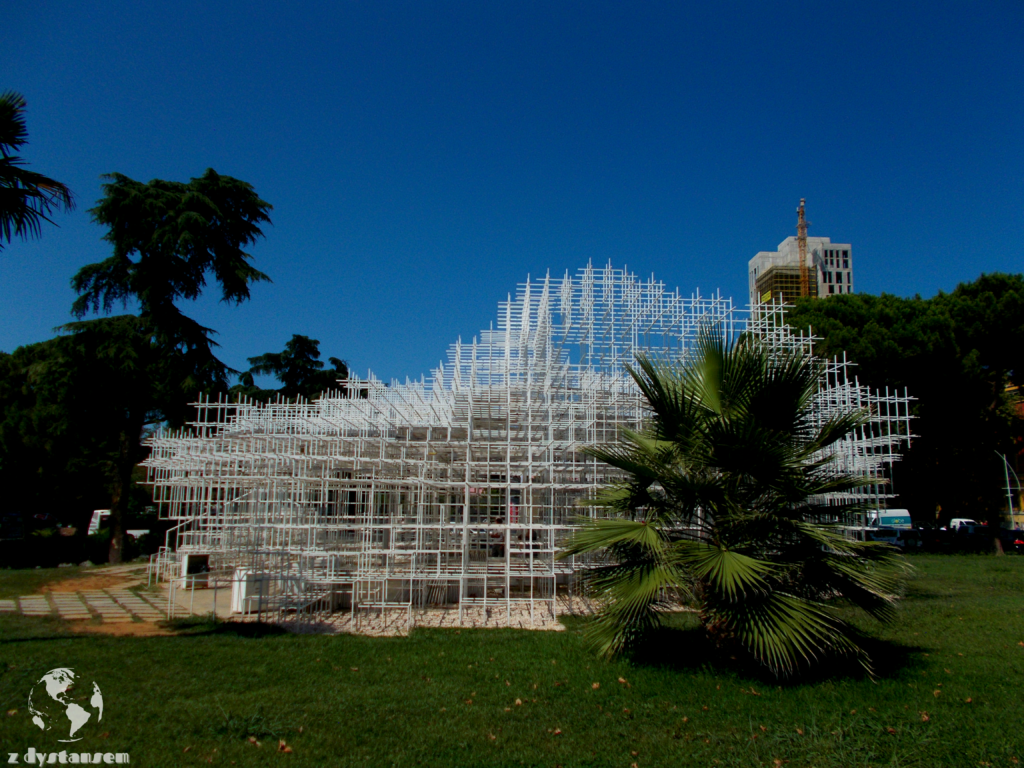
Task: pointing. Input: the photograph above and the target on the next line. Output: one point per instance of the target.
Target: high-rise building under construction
(803, 266)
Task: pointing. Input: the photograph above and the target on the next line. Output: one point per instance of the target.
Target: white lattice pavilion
(456, 490)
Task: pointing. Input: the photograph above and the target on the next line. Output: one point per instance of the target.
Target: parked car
(912, 538)
(1013, 540)
(884, 534)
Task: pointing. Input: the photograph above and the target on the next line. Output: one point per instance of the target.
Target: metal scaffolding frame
(455, 491)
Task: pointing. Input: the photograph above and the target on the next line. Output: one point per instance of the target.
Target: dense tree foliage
(27, 198)
(72, 410)
(718, 512)
(299, 369)
(956, 354)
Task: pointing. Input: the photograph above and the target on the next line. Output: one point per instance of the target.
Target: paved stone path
(137, 605)
(111, 605)
(35, 605)
(70, 606)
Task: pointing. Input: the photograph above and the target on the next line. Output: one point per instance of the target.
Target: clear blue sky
(423, 157)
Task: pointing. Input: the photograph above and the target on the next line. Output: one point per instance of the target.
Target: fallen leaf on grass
(283, 747)
(763, 729)
(469, 701)
(924, 717)
(777, 763)
(12, 712)
(936, 693)
(557, 732)
(968, 700)
(595, 686)
(519, 702)
(186, 749)
(507, 683)
(491, 736)
(634, 753)
(686, 719)
(799, 731)
(891, 730)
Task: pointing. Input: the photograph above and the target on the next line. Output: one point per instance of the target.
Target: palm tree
(26, 197)
(723, 508)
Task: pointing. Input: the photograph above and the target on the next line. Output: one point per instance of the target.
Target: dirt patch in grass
(93, 581)
(122, 629)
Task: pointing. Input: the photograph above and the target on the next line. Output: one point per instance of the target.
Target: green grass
(15, 582)
(448, 698)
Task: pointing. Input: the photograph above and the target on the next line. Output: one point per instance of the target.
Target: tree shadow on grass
(205, 626)
(688, 649)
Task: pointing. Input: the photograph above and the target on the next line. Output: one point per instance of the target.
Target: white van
(889, 518)
(956, 522)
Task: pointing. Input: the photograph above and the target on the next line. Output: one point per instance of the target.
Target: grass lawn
(15, 582)
(948, 692)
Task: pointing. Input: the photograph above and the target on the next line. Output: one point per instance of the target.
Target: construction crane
(801, 241)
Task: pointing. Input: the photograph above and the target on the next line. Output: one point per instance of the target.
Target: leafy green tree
(956, 354)
(299, 369)
(72, 410)
(168, 239)
(27, 198)
(45, 465)
(722, 509)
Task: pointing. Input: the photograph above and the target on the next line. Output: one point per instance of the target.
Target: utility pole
(801, 240)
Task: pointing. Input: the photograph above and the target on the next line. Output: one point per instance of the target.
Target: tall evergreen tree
(168, 239)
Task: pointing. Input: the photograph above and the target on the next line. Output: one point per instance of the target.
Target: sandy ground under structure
(104, 600)
(399, 621)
